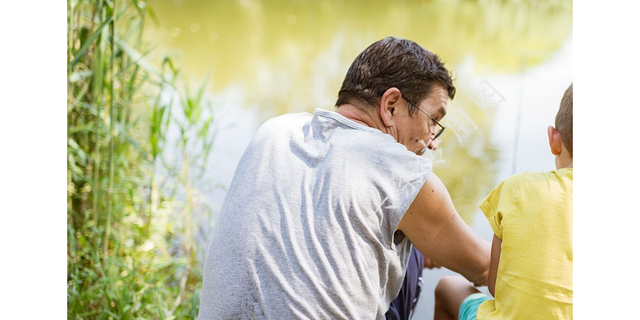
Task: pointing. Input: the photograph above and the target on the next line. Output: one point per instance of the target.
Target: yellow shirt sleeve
(499, 202)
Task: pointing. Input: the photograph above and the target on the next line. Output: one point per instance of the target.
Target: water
(267, 59)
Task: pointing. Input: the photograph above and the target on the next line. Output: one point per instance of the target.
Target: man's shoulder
(285, 120)
(280, 125)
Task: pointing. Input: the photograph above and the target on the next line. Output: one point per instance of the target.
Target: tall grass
(130, 205)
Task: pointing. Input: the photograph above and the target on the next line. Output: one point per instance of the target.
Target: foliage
(131, 240)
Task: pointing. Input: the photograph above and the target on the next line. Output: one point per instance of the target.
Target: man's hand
(433, 144)
(481, 282)
(430, 264)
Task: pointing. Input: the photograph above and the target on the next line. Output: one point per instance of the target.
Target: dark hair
(394, 62)
(564, 119)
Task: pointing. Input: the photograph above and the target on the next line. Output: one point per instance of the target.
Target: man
(323, 209)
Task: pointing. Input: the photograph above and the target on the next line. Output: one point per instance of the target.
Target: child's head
(561, 137)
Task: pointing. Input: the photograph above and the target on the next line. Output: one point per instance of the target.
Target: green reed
(131, 246)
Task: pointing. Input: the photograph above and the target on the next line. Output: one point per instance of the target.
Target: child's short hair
(564, 119)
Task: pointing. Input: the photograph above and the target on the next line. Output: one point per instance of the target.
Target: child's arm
(496, 249)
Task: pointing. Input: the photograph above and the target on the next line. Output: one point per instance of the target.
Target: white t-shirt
(307, 229)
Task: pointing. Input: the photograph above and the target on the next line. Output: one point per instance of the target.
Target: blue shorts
(470, 305)
(402, 307)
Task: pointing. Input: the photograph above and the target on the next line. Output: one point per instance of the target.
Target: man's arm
(434, 227)
(496, 249)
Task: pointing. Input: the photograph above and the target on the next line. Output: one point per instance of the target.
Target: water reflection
(292, 55)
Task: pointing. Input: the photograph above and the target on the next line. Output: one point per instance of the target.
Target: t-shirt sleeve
(409, 187)
(498, 203)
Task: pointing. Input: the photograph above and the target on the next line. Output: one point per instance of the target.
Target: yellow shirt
(533, 215)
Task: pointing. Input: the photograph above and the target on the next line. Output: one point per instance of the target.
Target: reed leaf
(87, 44)
(138, 58)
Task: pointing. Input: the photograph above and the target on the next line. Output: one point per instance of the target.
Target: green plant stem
(98, 65)
(112, 138)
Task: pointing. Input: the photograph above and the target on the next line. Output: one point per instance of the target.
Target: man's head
(396, 77)
(561, 137)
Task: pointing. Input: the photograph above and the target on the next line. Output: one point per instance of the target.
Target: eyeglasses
(428, 116)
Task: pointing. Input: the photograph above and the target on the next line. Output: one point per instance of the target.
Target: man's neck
(356, 114)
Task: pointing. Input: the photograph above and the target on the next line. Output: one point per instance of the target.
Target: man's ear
(555, 140)
(388, 106)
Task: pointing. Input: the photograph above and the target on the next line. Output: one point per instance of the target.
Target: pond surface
(511, 61)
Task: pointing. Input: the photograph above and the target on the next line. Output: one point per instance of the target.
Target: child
(531, 214)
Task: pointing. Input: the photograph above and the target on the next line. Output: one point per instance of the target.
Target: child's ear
(555, 140)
